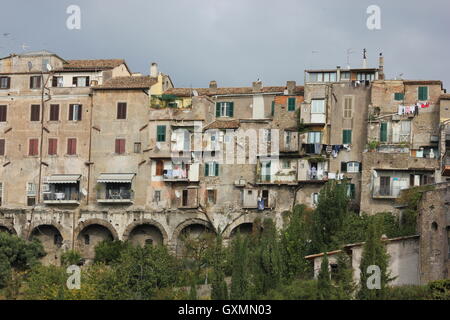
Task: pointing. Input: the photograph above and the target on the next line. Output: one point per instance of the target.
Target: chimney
(257, 86)
(154, 70)
(338, 73)
(290, 85)
(364, 59)
(213, 84)
(381, 67)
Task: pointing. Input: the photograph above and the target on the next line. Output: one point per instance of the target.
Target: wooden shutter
(79, 112)
(52, 146)
(71, 146)
(383, 132)
(35, 110)
(159, 167)
(230, 109)
(272, 111)
(71, 107)
(54, 82)
(161, 133)
(217, 109)
(33, 147)
(120, 146)
(291, 104)
(347, 136)
(216, 169)
(54, 112)
(206, 169)
(121, 110)
(2, 147)
(423, 93)
(3, 113)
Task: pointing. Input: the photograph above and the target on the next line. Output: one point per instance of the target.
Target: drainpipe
(90, 148)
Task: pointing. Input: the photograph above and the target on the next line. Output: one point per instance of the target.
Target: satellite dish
(30, 65)
(49, 67)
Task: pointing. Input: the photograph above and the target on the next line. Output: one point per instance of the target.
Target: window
(351, 190)
(161, 133)
(31, 194)
(52, 146)
(57, 82)
(35, 112)
(3, 111)
(185, 198)
(291, 104)
(322, 77)
(266, 171)
(353, 166)
(314, 137)
(157, 196)
(80, 81)
(345, 75)
(33, 147)
(35, 82)
(348, 107)
(383, 132)
(121, 110)
(267, 135)
(385, 186)
(71, 146)
(399, 96)
(75, 112)
(272, 110)
(5, 82)
(224, 109)
(318, 106)
(287, 138)
(423, 93)
(120, 146)
(87, 239)
(159, 167)
(137, 147)
(211, 196)
(2, 147)
(31, 201)
(211, 169)
(286, 164)
(54, 112)
(347, 136)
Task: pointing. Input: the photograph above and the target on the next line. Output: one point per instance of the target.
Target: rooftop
(132, 82)
(188, 92)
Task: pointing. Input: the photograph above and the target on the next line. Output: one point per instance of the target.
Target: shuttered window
(2, 147)
(159, 167)
(52, 146)
(399, 96)
(35, 112)
(272, 110)
(351, 191)
(348, 107)
(291, 104)
(120, 146)
(224, 109)
(71, 146)
(5, 82)
(383, 132)
(423, 93)
(121, 110)
(35, 82)
(346, 136)
(161, 133)
(3, 111)
(54, 112)
(75, 113)
(211, 169)
(33, 147)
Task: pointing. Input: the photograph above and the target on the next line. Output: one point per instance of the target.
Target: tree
(109, 252)
(374, 255)
(324, 286)
(239, 277)
(329, 216)
(343, 279)
(219, 286)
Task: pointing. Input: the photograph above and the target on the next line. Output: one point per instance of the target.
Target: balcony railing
(176, 175)
(386, 192)
(115, 196)
(61, 197)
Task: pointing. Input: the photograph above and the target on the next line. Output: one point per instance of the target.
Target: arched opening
(434, 226)
(51, 240)
(146, 234)
(5, 229)
(193, 235)
(242, 229)
(90, 236)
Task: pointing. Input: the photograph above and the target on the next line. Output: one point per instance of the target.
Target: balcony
(61, 198)
(385, 192)
(176, 175)
(446, 165)
(313, 177)
(116, 196)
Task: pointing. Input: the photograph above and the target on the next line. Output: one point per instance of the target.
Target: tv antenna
(349, 52)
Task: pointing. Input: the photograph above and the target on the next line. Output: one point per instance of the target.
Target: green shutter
(383, 132)
(273, 108)
(161, 133)
(217, 109)
(216, 173)
(423, 93)
(206, 169)
(347, 137)
(399, 96)
(230, 109)
(291, 104)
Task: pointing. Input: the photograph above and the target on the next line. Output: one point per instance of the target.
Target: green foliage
(296, 290)
(70, 257)
(218, 261)
(408, 292)
(109, 252)
(240, 283)
(440, 289)
(18, 255)
(324, 280)
(343, 279)
(374, 253)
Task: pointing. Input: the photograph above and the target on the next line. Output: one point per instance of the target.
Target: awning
(116, 177)
(64, 178)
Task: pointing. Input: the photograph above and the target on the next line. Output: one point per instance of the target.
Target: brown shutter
(33, 147)
(3, 110)
(117, 148)
(2, 147)
(54, 112)
(72, 146)
(121, 110)
(54, 82)
(122, 146)
(159, 167)
(71, 107)
(35, 110)
(52, 146)
(79, 112)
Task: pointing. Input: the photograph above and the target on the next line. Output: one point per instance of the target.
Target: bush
(109, 252)
(408, 292)
(440, 289)
(70, 257)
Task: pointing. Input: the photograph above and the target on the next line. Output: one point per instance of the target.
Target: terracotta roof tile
(100, 64)
(186, 92)
(445, 96)
(134, 82)
(223, 124)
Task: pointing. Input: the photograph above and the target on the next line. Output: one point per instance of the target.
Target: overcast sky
(237, 41)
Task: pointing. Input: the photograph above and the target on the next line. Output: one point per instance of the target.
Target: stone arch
(243, 228)
(195, 227)
(9, 229)
(142, 230)
(244, 219)
(51, 239)
(91, 232)
(38, 224)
